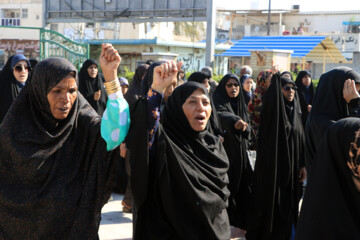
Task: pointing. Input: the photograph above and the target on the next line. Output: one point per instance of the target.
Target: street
(116, 225)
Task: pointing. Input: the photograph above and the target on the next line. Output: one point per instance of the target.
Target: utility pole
(268, 23)
(210, 33)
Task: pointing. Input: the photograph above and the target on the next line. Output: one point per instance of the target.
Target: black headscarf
(214, 126)
(236, 143)
(289, 106)
(331, 206)
(279, 157)
(199, 77)
(306, 95)
(247, 95)
(329, 106)
(134, 91)
(289, 73)
(181, 192)
(88, 86)
(9, 89)
(54, 174)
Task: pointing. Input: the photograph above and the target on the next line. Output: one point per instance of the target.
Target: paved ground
(116, 225)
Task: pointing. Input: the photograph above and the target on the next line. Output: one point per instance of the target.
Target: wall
(313, 22)
(320, 23)
(34, 19)
(261, 60)
(193, 58)
(110, 30)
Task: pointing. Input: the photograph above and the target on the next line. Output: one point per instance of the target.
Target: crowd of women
(205, 160)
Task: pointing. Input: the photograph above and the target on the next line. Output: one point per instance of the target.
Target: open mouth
(200, 119)
(64, 109)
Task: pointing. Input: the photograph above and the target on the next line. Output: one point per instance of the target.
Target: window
(24, 12)
(11, 17)
(54, 27)
(11, 13)
(10, 22)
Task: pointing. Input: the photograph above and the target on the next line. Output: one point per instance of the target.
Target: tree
(194, 30)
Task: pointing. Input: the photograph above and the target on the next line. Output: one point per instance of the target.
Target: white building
(342, 27)
(19, 13)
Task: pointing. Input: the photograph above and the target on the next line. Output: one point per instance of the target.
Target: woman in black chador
(134, 92)
(331, 206)
(229, 102)
(329, 106)
(55, 170)
(91, 86)
(305, 89)
(178, 168)
(12, 80)
(279, 168)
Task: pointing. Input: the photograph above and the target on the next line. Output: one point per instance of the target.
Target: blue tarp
(300, 45)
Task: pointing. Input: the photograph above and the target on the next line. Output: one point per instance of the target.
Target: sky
(305, 5)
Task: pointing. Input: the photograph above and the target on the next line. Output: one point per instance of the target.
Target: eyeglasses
(20, 68)
(288, 88)
(232, 84)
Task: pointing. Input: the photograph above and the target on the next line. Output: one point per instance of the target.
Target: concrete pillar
(210, 33)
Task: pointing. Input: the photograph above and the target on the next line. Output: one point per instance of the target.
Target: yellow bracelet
(112, 86)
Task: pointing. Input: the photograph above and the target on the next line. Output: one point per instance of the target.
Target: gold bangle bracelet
(112, 86)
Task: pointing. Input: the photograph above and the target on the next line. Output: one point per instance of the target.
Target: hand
(97, 95)
(123, 150)
(309, 108)
(240, 125)
(275, 68)
(302, 174)
(349, 90)
(165, 75)
(109, 61)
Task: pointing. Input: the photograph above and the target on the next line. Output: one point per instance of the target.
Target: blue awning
(313, 48)
(354, 23)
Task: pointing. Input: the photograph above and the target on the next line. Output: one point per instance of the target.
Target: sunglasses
(232, 84)
(288, 88)
(20, 68)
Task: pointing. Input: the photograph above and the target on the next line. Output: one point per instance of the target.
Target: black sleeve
(137, 142)
(354, 107)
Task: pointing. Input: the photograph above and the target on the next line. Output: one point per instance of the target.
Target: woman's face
(232, 88)
(124, 89)
(92, 70)
(181, 75)
(197, 109)
(62, 97)
(21, 71)
(289, 91)
(306, 80)
(206, 84)
(248, 84)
